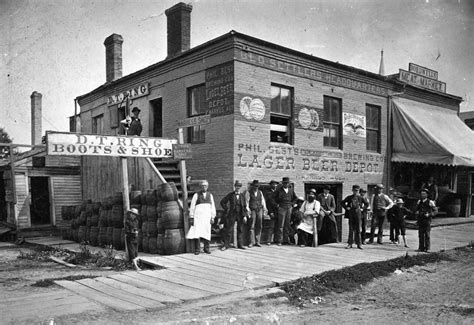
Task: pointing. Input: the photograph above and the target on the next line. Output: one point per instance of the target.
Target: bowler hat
(363, 190)
(424, 190)
(355, 187)
(326, 187)
(135, 109)
(399, 201)
(273, 182)
(255, 183)
(237, 183)
(134, 211)
(380, 186)
(285, 180)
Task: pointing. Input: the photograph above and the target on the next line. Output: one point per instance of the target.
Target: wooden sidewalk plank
(155, 290)
(138, 301)
(190, 282)
(95, 295)
(173, 289)
(49, 302)
(140, 292)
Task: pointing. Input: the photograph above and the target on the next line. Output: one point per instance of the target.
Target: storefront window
(332, 122)
(280, 117)
(98, 124)
(372, 114)
(196, 106)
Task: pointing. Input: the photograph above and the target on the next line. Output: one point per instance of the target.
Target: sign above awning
(424, 133)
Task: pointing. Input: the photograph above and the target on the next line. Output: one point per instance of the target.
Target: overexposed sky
(56, 47)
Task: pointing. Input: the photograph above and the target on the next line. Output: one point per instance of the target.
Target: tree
(4, 138)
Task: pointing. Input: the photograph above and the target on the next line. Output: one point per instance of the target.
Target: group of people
(359, 211)
(290, 218)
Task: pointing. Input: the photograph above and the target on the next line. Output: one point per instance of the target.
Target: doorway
(156, 118)
(40, 207)
(335, 190)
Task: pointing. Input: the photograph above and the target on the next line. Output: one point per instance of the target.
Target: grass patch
(353, 277)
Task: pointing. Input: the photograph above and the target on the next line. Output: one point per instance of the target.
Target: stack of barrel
(170, 222)
(105, 210)
(115, 222)
(149, 216)
(136, 202)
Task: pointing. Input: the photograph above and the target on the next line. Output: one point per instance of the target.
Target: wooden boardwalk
(188, 276)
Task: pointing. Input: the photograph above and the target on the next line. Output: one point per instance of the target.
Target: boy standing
(425, 211)
(131, 236)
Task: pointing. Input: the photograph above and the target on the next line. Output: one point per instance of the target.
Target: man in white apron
(201, 216)
(310, 210)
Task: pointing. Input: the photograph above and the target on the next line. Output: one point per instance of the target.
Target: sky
(55, 47)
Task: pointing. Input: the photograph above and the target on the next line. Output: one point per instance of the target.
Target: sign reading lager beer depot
(76, 144)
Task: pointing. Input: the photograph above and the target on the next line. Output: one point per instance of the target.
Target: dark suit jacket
(270, 201)
(328, 204)
(234, 206)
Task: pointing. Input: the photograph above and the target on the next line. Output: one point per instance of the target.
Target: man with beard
(310, 210)
(285, 198)
(234, 211)
(272, 207)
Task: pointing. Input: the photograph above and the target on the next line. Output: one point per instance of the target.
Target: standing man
(134, 124)
(425, 211)
(398, 215)
(327, 226)
(201, 216)
(272, 206)
(256, 208)
(234, 211)
(365, 215)
(310, 210)
(131, 236)
(285, 198)
(354, 204)
(380, 204)
(432, 189)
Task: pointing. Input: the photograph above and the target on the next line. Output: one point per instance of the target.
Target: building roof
(233, 35)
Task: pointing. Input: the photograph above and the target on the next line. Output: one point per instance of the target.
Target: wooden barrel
(65, 215)
(117, 216)
(143, 212)
(152, 231)
(174, 242)
(143, 198)
(95, 207)
(160, 228)
(151, 213)
(117, 199)
(94, 220)
(453, 209)
(102, 239)
(103, 213)
(82, 220)
(88, 234)
(84, 204)
(159, 243)
(110, 235)
(140, 240)
(65, 233)
(81, 234)
(145, 244)
(75, 234)
(167, 192)
(117, 238)
(152, 245)
(94, 235)
(150, 197)
(77, 211)
(135, 197)
(171, 215)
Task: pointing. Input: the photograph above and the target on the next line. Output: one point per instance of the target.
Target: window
(196, 106)
(372, 115)
(332, 122)
(98, 124)
(280, 115)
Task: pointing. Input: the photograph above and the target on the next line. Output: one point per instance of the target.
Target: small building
(277, 112)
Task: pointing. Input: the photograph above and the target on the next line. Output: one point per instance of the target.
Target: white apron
(307, 224)
(202, 222)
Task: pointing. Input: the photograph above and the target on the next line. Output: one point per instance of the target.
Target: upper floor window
(332, 122)
(196, 106)
(98, 124)
(281, 129)
(372, 115)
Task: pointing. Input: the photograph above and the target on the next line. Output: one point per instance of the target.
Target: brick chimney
(36, 116)
(179, 28)
(113, 57)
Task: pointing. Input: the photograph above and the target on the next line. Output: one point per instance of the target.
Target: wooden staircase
(170, 171)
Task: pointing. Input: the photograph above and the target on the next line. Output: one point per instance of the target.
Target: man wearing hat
(234, 211)
(285, 198)
(295, 220)
(425, 211)
(135, 125)
(353, 205)
(310, 210)
(380, 204)
(397, 216)
(327, 226)
(131, 236)
(256, 208)
(272, 206)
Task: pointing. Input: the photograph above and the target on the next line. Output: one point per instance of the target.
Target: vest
(379, 201)
(202, 200)
(255, 201)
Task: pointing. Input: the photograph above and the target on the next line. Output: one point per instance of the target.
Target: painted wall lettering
(220, 89)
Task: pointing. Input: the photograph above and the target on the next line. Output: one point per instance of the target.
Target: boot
(207, 249)
(398, 240)
(405, 241)
(197, 247)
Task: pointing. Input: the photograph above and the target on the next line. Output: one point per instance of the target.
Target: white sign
(422, 71)
(135, 92)
(353, 124)
(421, 81)
(195, 121)
(76, 144)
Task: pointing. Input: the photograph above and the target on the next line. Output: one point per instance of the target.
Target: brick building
(274, 111)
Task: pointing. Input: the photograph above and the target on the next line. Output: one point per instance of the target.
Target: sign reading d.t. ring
(76, 144)
(135, 92)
